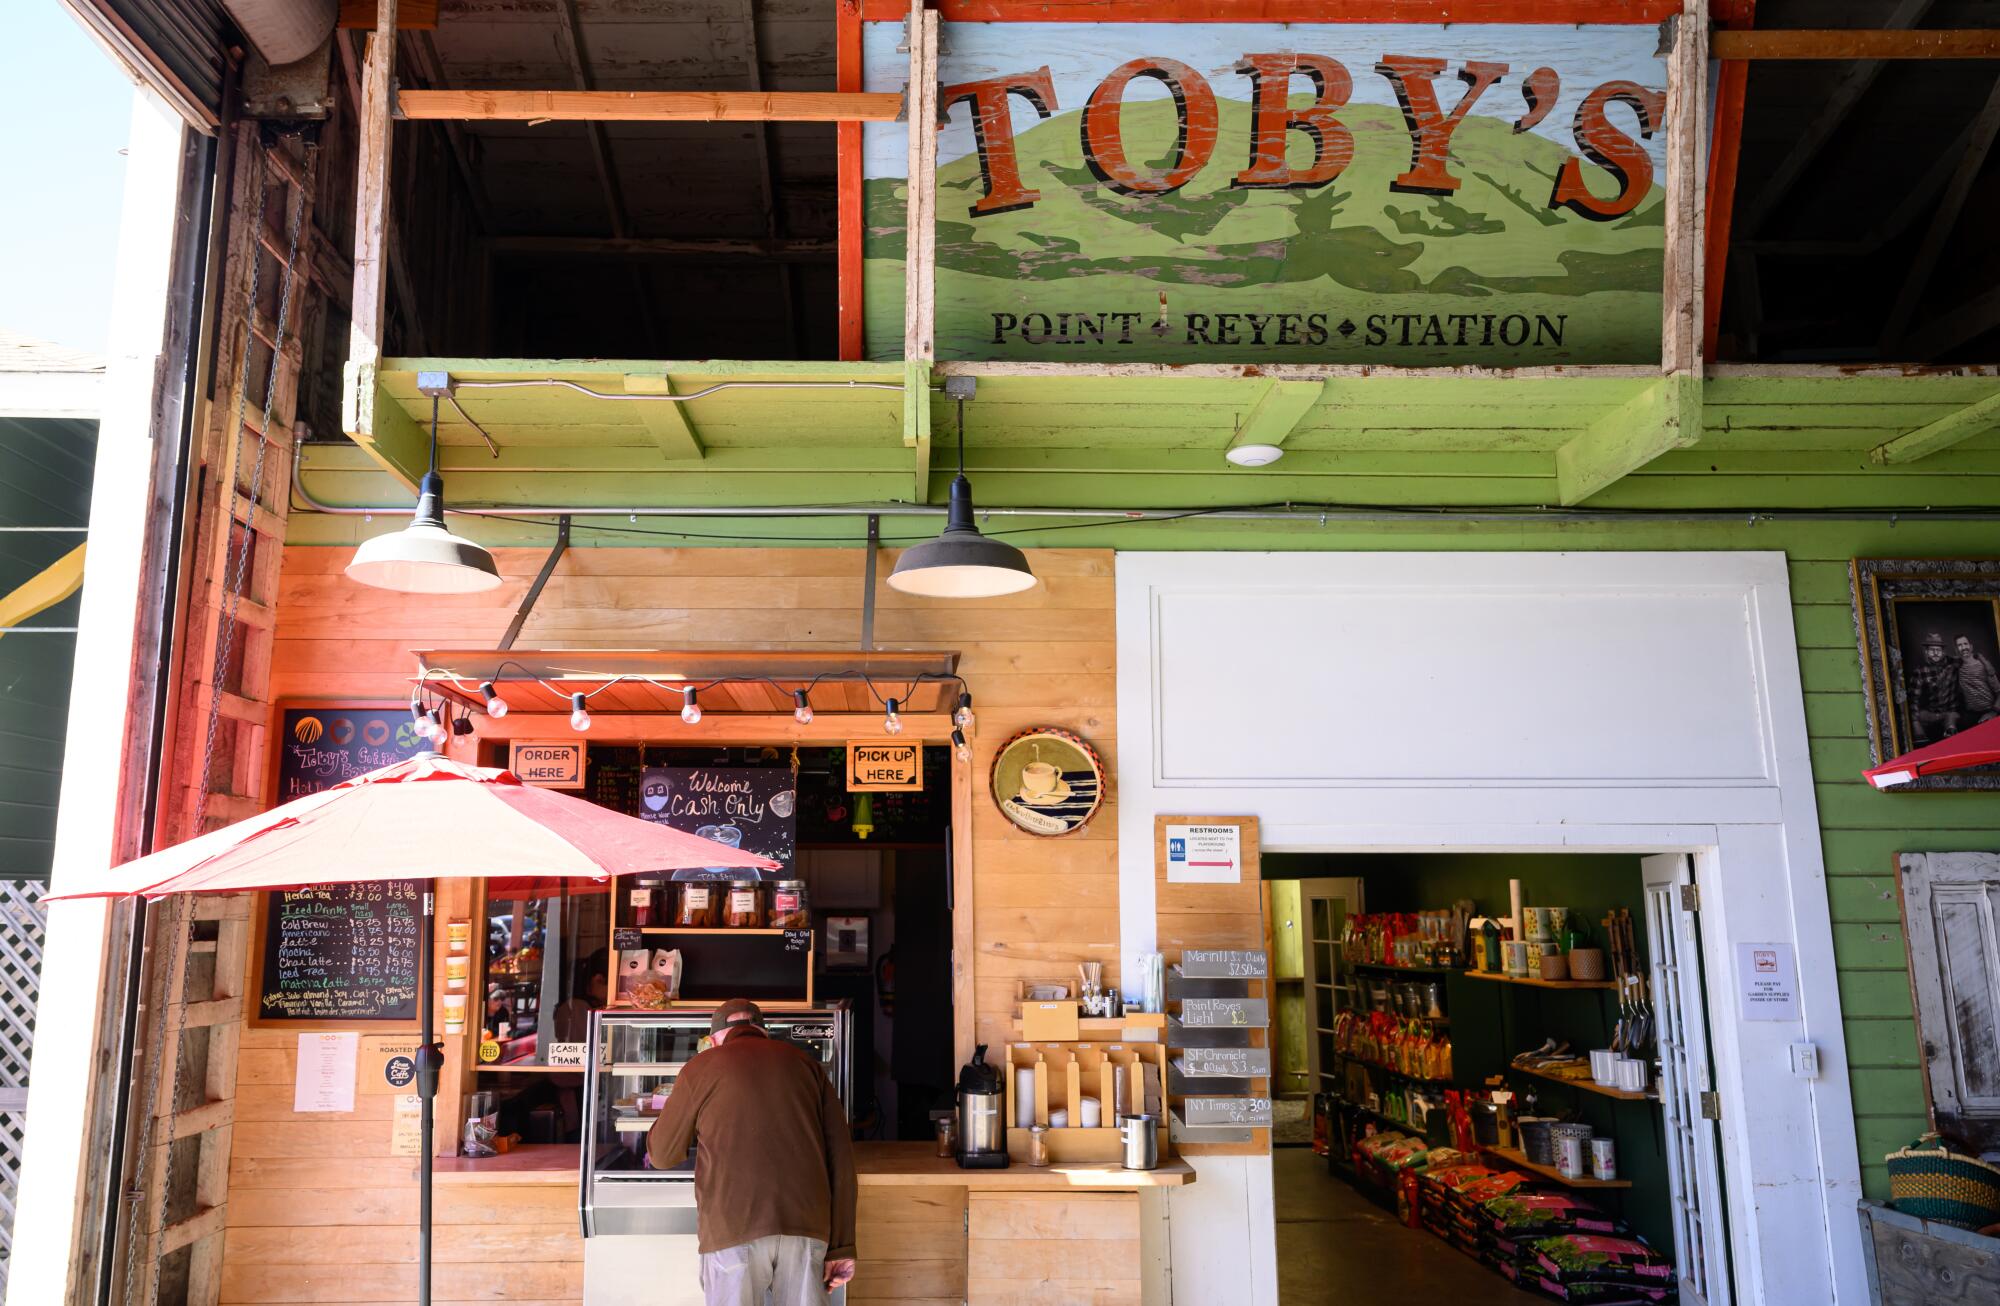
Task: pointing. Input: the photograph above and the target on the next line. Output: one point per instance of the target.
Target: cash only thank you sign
(1397, 193)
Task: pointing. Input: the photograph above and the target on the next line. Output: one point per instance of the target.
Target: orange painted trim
(1732, 85)
(847, 204)
(1551, 12)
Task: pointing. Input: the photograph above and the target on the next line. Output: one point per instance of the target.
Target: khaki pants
(792, 1270)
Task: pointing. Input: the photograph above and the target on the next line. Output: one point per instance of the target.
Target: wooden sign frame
(260, 906)
(573, 781)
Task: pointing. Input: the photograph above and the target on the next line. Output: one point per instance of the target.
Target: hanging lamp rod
(1300, 512)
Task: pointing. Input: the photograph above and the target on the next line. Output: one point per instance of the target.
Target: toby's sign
(1399, 193)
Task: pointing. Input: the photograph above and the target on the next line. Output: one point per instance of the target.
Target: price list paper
(325, 1079)
(342, 952)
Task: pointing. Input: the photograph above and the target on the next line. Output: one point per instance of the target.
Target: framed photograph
(1929, 637)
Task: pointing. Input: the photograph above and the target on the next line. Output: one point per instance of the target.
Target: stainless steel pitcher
(1141, 1135)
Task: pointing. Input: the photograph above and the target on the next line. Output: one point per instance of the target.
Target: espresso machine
(982, 1115)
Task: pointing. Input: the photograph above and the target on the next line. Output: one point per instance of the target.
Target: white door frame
(1792, 1167)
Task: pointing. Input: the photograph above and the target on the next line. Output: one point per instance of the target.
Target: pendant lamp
(961, 563)
(424, 557)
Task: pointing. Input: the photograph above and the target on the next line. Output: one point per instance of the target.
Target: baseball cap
(735, 1011)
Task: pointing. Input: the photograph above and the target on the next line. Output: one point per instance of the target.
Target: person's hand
(839, 1272)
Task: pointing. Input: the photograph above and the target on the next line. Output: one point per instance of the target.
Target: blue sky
(68, 107)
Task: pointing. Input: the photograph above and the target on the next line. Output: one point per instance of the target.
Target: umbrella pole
(430, 1060)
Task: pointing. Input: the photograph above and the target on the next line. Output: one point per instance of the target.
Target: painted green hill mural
(1348, 272)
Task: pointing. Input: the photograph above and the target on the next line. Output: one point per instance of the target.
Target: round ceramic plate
(1049, 782)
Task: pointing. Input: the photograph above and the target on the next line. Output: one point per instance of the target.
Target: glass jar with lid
(646, 900)
(790, 908)
(743, 908)
(700, 906)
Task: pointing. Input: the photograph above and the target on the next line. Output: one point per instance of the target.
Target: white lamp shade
(961, 582)
(423, 558)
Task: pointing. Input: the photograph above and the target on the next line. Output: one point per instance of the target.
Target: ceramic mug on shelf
(1517, 956)
(1604, 1067)
(1631, 1075)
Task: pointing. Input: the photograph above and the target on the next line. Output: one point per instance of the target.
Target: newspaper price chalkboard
(341, 953)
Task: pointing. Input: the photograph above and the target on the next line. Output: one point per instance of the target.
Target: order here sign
(553, 765)
(882, 765)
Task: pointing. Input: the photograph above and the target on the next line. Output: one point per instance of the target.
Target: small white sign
(325, 1079)
(406, 1126)
(566, 1054)
(1767, 985)
(1204, 854)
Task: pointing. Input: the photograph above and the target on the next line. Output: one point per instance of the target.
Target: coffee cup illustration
(727, 835)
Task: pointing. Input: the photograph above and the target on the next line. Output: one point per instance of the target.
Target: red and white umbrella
(1977, 746)
(428, 818)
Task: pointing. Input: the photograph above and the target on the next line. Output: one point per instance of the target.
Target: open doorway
(1476, 1123)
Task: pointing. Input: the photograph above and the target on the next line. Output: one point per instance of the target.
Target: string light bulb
(579, 713)
(434, 726)
(962, 718)
(690, 709)
(891, 723)
(803, 713)
(958, 742)
(496, 706)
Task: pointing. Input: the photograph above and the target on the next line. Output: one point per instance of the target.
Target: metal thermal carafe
(982, 1115)
(639, 1223)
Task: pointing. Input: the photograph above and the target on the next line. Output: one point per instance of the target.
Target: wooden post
(1687, 130)
(920, 243)
(371, 194)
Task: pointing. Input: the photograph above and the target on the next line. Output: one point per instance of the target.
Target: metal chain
(238, 575)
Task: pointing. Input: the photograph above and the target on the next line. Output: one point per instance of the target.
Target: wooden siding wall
(321, 1210)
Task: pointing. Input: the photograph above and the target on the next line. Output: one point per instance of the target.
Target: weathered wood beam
(411, 14)
(1682, 317)
(1666, 415)
(668, 424)
(1954, 327)
(649, 106)
(795, 249)
(1944, 218)
(920, 259)
(1839, 103)
(379, 425)
(767, 179)
(427, 64)
(1941, 434)
(371, 195)
(1963, 43)
(1277, 410)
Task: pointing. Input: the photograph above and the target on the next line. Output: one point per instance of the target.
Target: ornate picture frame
(1928, 632)
(1048, 782)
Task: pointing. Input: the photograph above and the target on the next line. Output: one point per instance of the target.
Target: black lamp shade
(961, 563)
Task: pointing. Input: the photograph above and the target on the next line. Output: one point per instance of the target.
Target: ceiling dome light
(961, 563)
(424, 557)
(1254, 455)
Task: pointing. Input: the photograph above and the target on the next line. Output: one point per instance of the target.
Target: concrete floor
(1337, 1248)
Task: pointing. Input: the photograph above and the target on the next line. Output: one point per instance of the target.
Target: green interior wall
(1491, 1022)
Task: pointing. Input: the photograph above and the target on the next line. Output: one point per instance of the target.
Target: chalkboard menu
(321, 746)
(341, 952)
(754, 808)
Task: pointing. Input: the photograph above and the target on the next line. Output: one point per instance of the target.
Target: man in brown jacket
(774, 1170)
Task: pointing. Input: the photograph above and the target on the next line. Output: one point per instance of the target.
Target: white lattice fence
(22, 922)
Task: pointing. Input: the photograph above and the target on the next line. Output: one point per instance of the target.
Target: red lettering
(1430, 129)
(1612, 150)
(1539, 92)
(993, 133)
(1103, 141)
(1273, 119)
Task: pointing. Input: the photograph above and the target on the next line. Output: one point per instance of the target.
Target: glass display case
(634, 1058)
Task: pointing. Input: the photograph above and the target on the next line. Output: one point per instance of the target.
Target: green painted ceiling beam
(1665, 415)
(1973, 419)
(666, 422)
(379, 425)
(1277, 411)
(917, 423)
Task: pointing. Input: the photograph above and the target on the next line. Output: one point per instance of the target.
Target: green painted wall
(1862, 830)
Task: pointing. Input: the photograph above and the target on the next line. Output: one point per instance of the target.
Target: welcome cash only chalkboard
(339, 954)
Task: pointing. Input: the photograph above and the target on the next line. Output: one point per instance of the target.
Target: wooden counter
(906, 1165)
(926, 1230)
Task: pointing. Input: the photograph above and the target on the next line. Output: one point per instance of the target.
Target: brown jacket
(774, 1155)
